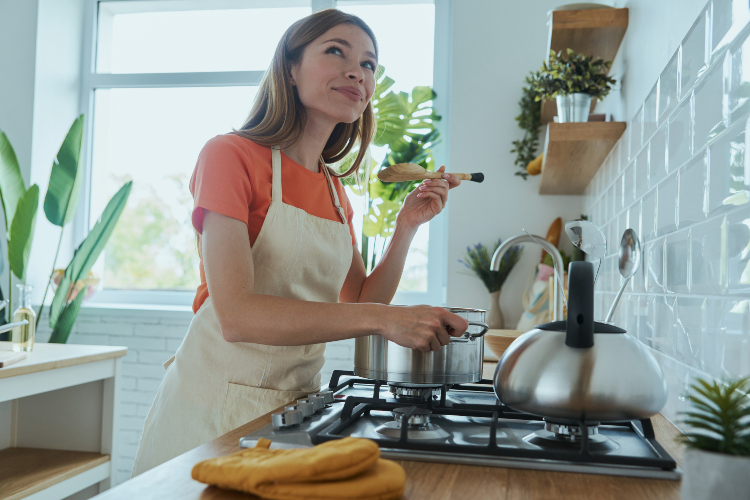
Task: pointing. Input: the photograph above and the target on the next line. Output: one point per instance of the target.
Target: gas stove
(464, 424)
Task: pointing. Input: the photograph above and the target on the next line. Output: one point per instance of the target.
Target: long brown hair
(278, 116)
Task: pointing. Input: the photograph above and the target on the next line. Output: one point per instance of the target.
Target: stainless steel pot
(459, 362)
(578, 369)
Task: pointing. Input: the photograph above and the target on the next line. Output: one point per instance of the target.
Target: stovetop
(466, 424)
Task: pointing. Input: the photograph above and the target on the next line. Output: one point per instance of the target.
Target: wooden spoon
(413, 172)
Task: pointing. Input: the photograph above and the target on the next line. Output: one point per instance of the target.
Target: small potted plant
(478, 259)
(717, 459)
(573, 80)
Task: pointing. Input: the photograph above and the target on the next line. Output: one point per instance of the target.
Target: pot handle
(473, 336)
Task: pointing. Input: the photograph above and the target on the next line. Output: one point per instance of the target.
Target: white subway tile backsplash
(666, 211)
(689, 323)
(658, 156)
(737, 247)
(654, 262)
(650, 113)
(624, 149)
(636, 133)
(619, 189)
(708, 275)
(641, 172)
(628, 181)
(728, 181)
(692, 207)
(728, 18)
(668, 87)
(693, 54)
(677, 262)
(648, 216)
(661, 321)
(709, 108)
(737, 77)
(680, 136)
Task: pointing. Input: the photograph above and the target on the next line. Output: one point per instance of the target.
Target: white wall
(494, 46)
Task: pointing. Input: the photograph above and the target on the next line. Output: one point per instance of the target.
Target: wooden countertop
(50, 356)
(435, 481)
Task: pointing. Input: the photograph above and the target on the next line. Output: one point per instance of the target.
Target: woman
(280, 271)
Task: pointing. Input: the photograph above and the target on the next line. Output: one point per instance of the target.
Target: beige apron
(213, 386)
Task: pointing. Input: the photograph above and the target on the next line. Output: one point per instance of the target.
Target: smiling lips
(350, 92)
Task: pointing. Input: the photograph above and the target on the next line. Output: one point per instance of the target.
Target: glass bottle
(23, 336)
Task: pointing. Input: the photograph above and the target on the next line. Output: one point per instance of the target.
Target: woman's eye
(371, 65)
(331, 50)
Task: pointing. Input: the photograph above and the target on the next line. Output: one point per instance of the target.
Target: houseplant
(529, 120)
(717, 459)
(406, 126)
(478, 259)
(573, 80)
(20, 206)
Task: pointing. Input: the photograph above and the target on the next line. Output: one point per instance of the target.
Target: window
(164, 78)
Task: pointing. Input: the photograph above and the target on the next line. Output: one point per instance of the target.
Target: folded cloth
(341, 469)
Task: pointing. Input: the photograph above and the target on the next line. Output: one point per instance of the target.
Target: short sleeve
(221, 182)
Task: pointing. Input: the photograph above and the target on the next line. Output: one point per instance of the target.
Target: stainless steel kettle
(580, 369)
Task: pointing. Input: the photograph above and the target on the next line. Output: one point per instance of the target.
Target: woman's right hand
(425, 328)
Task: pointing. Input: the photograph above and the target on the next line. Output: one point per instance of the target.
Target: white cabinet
(58, 416)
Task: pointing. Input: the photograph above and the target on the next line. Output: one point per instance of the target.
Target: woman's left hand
(427, 200)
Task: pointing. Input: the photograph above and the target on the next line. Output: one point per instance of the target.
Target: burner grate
(356, 407)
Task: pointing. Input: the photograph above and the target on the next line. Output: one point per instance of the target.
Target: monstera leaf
(88, 252)
(61, 200)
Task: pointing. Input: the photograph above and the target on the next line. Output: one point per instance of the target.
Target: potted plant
(573, 80)
(529, 120)
(478, 259)
(717, 459)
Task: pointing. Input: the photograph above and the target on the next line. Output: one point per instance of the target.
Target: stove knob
(288, 418)
(306, 406)
(327, 396)
(319, 402)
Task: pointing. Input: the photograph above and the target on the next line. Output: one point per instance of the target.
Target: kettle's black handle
(580, 325)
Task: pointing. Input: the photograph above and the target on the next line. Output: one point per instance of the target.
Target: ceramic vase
(494, 314)
(709, 476)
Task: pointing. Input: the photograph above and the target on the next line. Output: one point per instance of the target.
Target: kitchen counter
(435, 481)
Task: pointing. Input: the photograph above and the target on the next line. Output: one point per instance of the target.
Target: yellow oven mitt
(341, 469)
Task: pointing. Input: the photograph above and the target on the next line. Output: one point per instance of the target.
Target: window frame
(91, 81)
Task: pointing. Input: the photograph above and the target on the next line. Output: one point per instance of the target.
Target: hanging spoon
(587, 237)
(413, 172)
(630, 259)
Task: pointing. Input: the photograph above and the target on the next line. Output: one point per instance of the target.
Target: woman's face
(336, 77)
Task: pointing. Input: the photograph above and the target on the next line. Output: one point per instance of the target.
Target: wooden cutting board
(8, 358)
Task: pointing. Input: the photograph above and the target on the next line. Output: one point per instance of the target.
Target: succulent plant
(720, 416)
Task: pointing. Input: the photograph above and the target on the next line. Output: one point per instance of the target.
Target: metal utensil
(587, 237)
(11, 326)
(630, 259)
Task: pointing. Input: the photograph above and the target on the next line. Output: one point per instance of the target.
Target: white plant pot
(711, 476)
(580, 105)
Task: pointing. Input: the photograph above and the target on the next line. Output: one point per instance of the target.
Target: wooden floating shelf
(596, 32)
(573, 152)
(25, 471)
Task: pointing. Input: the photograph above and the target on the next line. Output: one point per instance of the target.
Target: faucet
(557, 313)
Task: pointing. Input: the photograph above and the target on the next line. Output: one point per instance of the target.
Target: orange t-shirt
(233, 177)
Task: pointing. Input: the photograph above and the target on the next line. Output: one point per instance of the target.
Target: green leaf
(12, 187)
(89, 250)
(61, 200)
(22, 232)
(67, 319)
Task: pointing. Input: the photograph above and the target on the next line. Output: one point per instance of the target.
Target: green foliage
(12, 187)
(406, 125)
(61, 200)
(574, 73)
(22, 232)
(720, 417)
(529, 120)
(478, 259)
(67, 319)
(88, 251)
